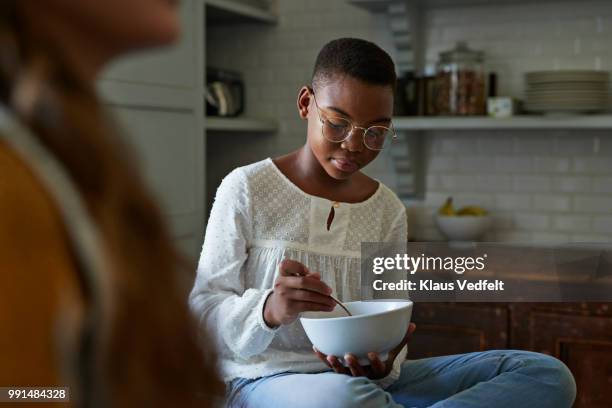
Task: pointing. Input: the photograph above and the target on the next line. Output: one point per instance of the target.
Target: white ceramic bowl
(463, 227)
(377, 325)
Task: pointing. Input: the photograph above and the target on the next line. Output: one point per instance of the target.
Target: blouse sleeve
(224, 308)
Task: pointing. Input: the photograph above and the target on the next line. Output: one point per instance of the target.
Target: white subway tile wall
(560, 186)
(544, 186)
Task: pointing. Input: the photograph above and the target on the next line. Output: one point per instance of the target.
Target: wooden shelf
(381, 6)
(374, 6)
(240, 124)
(603, 121)
(232, 11)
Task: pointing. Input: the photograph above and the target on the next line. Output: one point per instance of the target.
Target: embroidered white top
(259, 218)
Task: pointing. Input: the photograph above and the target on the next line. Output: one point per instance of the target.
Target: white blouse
(259, 218)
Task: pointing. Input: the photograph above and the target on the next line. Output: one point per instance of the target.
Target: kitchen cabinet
(579, 334)
(444, 328)
(155, 96)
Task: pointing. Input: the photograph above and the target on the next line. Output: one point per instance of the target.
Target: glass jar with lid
(460, 82)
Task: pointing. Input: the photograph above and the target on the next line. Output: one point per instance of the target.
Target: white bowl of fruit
(468, 223)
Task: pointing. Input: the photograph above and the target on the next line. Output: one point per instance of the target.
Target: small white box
(502, 106)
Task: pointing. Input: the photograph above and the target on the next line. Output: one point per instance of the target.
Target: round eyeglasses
(337, 129)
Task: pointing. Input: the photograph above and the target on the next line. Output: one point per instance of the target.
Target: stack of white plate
(566, 91)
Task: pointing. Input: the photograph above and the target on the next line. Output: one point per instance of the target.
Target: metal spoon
(293, 273)
(341, 305)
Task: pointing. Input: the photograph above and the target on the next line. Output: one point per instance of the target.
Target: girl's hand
(296, 290)
(376, 370)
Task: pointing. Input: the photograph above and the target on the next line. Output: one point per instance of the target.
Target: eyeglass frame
(353, 127)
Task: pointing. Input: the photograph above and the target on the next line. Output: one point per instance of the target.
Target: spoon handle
(341, 305)
(293, 273)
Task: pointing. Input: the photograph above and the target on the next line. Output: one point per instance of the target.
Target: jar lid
(461, 53)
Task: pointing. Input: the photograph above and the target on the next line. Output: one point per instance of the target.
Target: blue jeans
(497, 378)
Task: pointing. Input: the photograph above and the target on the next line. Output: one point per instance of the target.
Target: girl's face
(115, 26)
(362, 104)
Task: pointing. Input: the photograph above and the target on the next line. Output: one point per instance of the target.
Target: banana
(447, 208)
(472, 210)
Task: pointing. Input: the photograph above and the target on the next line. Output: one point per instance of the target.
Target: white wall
(541, 186)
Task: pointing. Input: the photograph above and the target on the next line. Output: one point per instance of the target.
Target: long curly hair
(155, 355)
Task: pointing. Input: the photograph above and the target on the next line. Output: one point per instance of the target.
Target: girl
(285, 233)
(90, 297)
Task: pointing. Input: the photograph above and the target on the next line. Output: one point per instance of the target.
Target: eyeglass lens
(338, 129)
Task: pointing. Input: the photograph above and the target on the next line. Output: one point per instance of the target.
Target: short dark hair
(357, 58)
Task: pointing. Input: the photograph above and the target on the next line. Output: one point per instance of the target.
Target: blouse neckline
(299, 190)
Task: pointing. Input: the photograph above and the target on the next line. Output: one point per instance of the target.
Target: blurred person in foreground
(90, 293)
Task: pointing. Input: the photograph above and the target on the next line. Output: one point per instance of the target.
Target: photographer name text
(430, 285)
